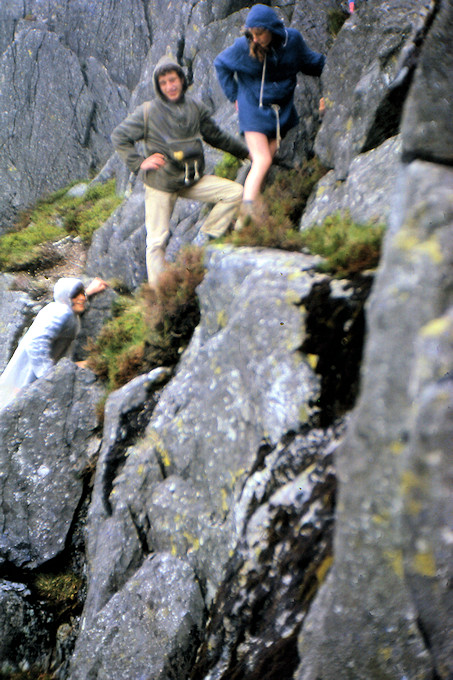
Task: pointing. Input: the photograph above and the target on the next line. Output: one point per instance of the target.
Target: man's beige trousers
(226, 195)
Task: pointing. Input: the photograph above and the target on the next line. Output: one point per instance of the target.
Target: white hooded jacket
(47, 340)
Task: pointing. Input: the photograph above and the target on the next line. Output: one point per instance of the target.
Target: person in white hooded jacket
(49, 338)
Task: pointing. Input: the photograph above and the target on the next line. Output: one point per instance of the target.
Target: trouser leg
(158, 208)
(226, 195)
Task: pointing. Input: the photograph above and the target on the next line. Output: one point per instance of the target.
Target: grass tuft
(152, 328)
(60, 591)
(335, 20)
(347, 246)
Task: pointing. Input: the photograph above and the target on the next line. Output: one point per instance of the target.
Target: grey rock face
(427, 129)
(49, 76)
(367, 607)
(44, 451)
(283, 554)
(127, 412)
(42, 87)
(117, 36)
(150, 628)
(118, 247)
(427, 483)
(178, 484)
(367, 193)
(365, 79)
(190, 486)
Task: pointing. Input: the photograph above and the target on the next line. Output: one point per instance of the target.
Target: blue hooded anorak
(47, 340)
(256, 85)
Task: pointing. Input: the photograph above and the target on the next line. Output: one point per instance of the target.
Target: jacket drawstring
(276, 110)
(196, 176)
(275, 107)
(263, 74)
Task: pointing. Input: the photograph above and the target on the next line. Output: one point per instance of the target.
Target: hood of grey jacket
(164, 65)
(65, 289)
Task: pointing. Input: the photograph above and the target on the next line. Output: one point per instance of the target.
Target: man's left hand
(96, 286)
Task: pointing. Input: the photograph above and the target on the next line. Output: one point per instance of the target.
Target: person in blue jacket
(259, 73)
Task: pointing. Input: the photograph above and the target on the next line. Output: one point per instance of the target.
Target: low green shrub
(347, 246)
(53, 218)
(280, 208)
(151, 328)
(228, 167)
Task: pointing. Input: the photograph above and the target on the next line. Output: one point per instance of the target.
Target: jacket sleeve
(218, 138)
(310, 62)
(125, 136)
(39, 348)
(225, 68)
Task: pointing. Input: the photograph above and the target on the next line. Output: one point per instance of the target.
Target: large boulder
(149, 629)
(47, 440)
(191, 484)
(366, 78)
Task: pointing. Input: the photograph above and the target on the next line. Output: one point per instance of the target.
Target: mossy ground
(29, 245)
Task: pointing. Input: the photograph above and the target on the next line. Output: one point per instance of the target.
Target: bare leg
(262, 151)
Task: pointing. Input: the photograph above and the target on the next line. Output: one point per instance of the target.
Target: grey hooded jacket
(167, 122)
(47, 340)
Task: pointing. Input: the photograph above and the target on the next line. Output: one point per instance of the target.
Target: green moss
(228, 167)
(53, 218)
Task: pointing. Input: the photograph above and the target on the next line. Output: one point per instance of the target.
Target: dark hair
(257, 51)
(169, 68)
(80, 288)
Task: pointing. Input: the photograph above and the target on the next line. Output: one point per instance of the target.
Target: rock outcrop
(277, 505)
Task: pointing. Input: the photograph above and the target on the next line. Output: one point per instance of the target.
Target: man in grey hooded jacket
(172, 127)
(49, 338)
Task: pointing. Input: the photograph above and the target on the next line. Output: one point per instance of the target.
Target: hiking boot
(245, 215)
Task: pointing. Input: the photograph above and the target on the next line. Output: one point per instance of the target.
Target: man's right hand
(156, 160)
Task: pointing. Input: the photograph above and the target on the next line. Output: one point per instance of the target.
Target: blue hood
(262, 16)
